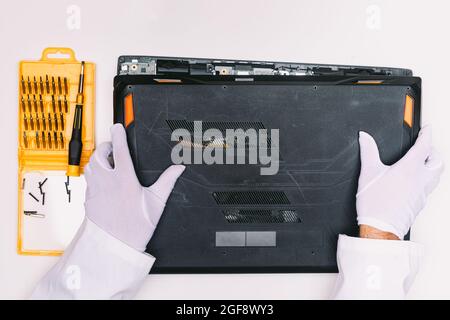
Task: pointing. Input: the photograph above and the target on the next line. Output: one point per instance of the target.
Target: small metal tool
(47, 84)
(34, 214)
(42, 183)
(41, 85)
(38, 144)
(49, 122)
(23, 85)
(24, 108)
(35, 103)
(66, 105)
(53, 85)
(68, 191)
(44, 145)
(25, 121)
(59, 104)
(25, 139)
(38, 125)
(61, 138)
(33, 196)
(29, 85)
(31, 122)
(66, 87)
(55, 139)
(29, 103)
(41, 102)
(59, 85)
(53, 104)
(55, 117)
(49, 138)
(61, 119)
(44, 125)
(76, 144)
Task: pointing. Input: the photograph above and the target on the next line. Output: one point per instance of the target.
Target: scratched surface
(318, 171)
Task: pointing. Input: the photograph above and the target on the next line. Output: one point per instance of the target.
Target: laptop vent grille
(261, 216)
(250, 197)
(220, 125)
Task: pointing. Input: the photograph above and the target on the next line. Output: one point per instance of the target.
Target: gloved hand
(115, 200)
(390, 197)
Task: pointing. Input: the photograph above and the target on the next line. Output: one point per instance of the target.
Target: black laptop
(229, 217)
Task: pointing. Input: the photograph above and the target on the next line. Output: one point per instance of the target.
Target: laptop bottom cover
(229, 217)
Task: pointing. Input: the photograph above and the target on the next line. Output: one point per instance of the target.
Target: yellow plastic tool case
(46, 102)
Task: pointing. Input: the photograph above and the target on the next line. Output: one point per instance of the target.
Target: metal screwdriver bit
(53, 104)
(49, 122)
(38, 126)
(61, 137)
(35, 103)
(66, 87)
(41, 85)
(23, 86)
(31, 122)
(25, 139)
(49, 139)
(29, 103)
(29, 84)
(59, 104)
(55, 139)
(38, 145)
(25, 121)
(56, 122)
(43, 140)
(35, 84)
(47, 84)
(66, 105)
(53, 85)
(59, 85)
(41, 102)
(61, 118)
(24, 109)
(44, 125)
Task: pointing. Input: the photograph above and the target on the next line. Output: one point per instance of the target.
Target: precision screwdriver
(75, 144)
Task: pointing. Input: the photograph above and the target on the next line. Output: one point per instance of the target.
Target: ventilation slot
(261, 216)
(250, 197)
(220, 125)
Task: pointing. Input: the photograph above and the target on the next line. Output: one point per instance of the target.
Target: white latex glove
(116, 201)
(390, 197)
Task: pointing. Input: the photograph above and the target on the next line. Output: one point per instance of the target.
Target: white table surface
(410, 34)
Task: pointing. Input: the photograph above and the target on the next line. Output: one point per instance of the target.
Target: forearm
(375, 266)
(95, 266)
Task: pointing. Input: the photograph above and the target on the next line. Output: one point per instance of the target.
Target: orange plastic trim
(128, 112)
(409, 110)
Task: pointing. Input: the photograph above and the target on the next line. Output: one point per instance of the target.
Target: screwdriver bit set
(44, 104)
(47, 100)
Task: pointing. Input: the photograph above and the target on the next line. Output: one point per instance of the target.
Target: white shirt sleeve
(375, 269)
(95, 266)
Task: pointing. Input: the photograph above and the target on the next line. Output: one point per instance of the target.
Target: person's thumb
(121, 154)
(166, 181)
(371, 164)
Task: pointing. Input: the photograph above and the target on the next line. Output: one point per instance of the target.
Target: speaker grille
(250, 197)
(261, 216)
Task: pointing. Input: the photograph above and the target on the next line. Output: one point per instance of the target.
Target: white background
(410, 34)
